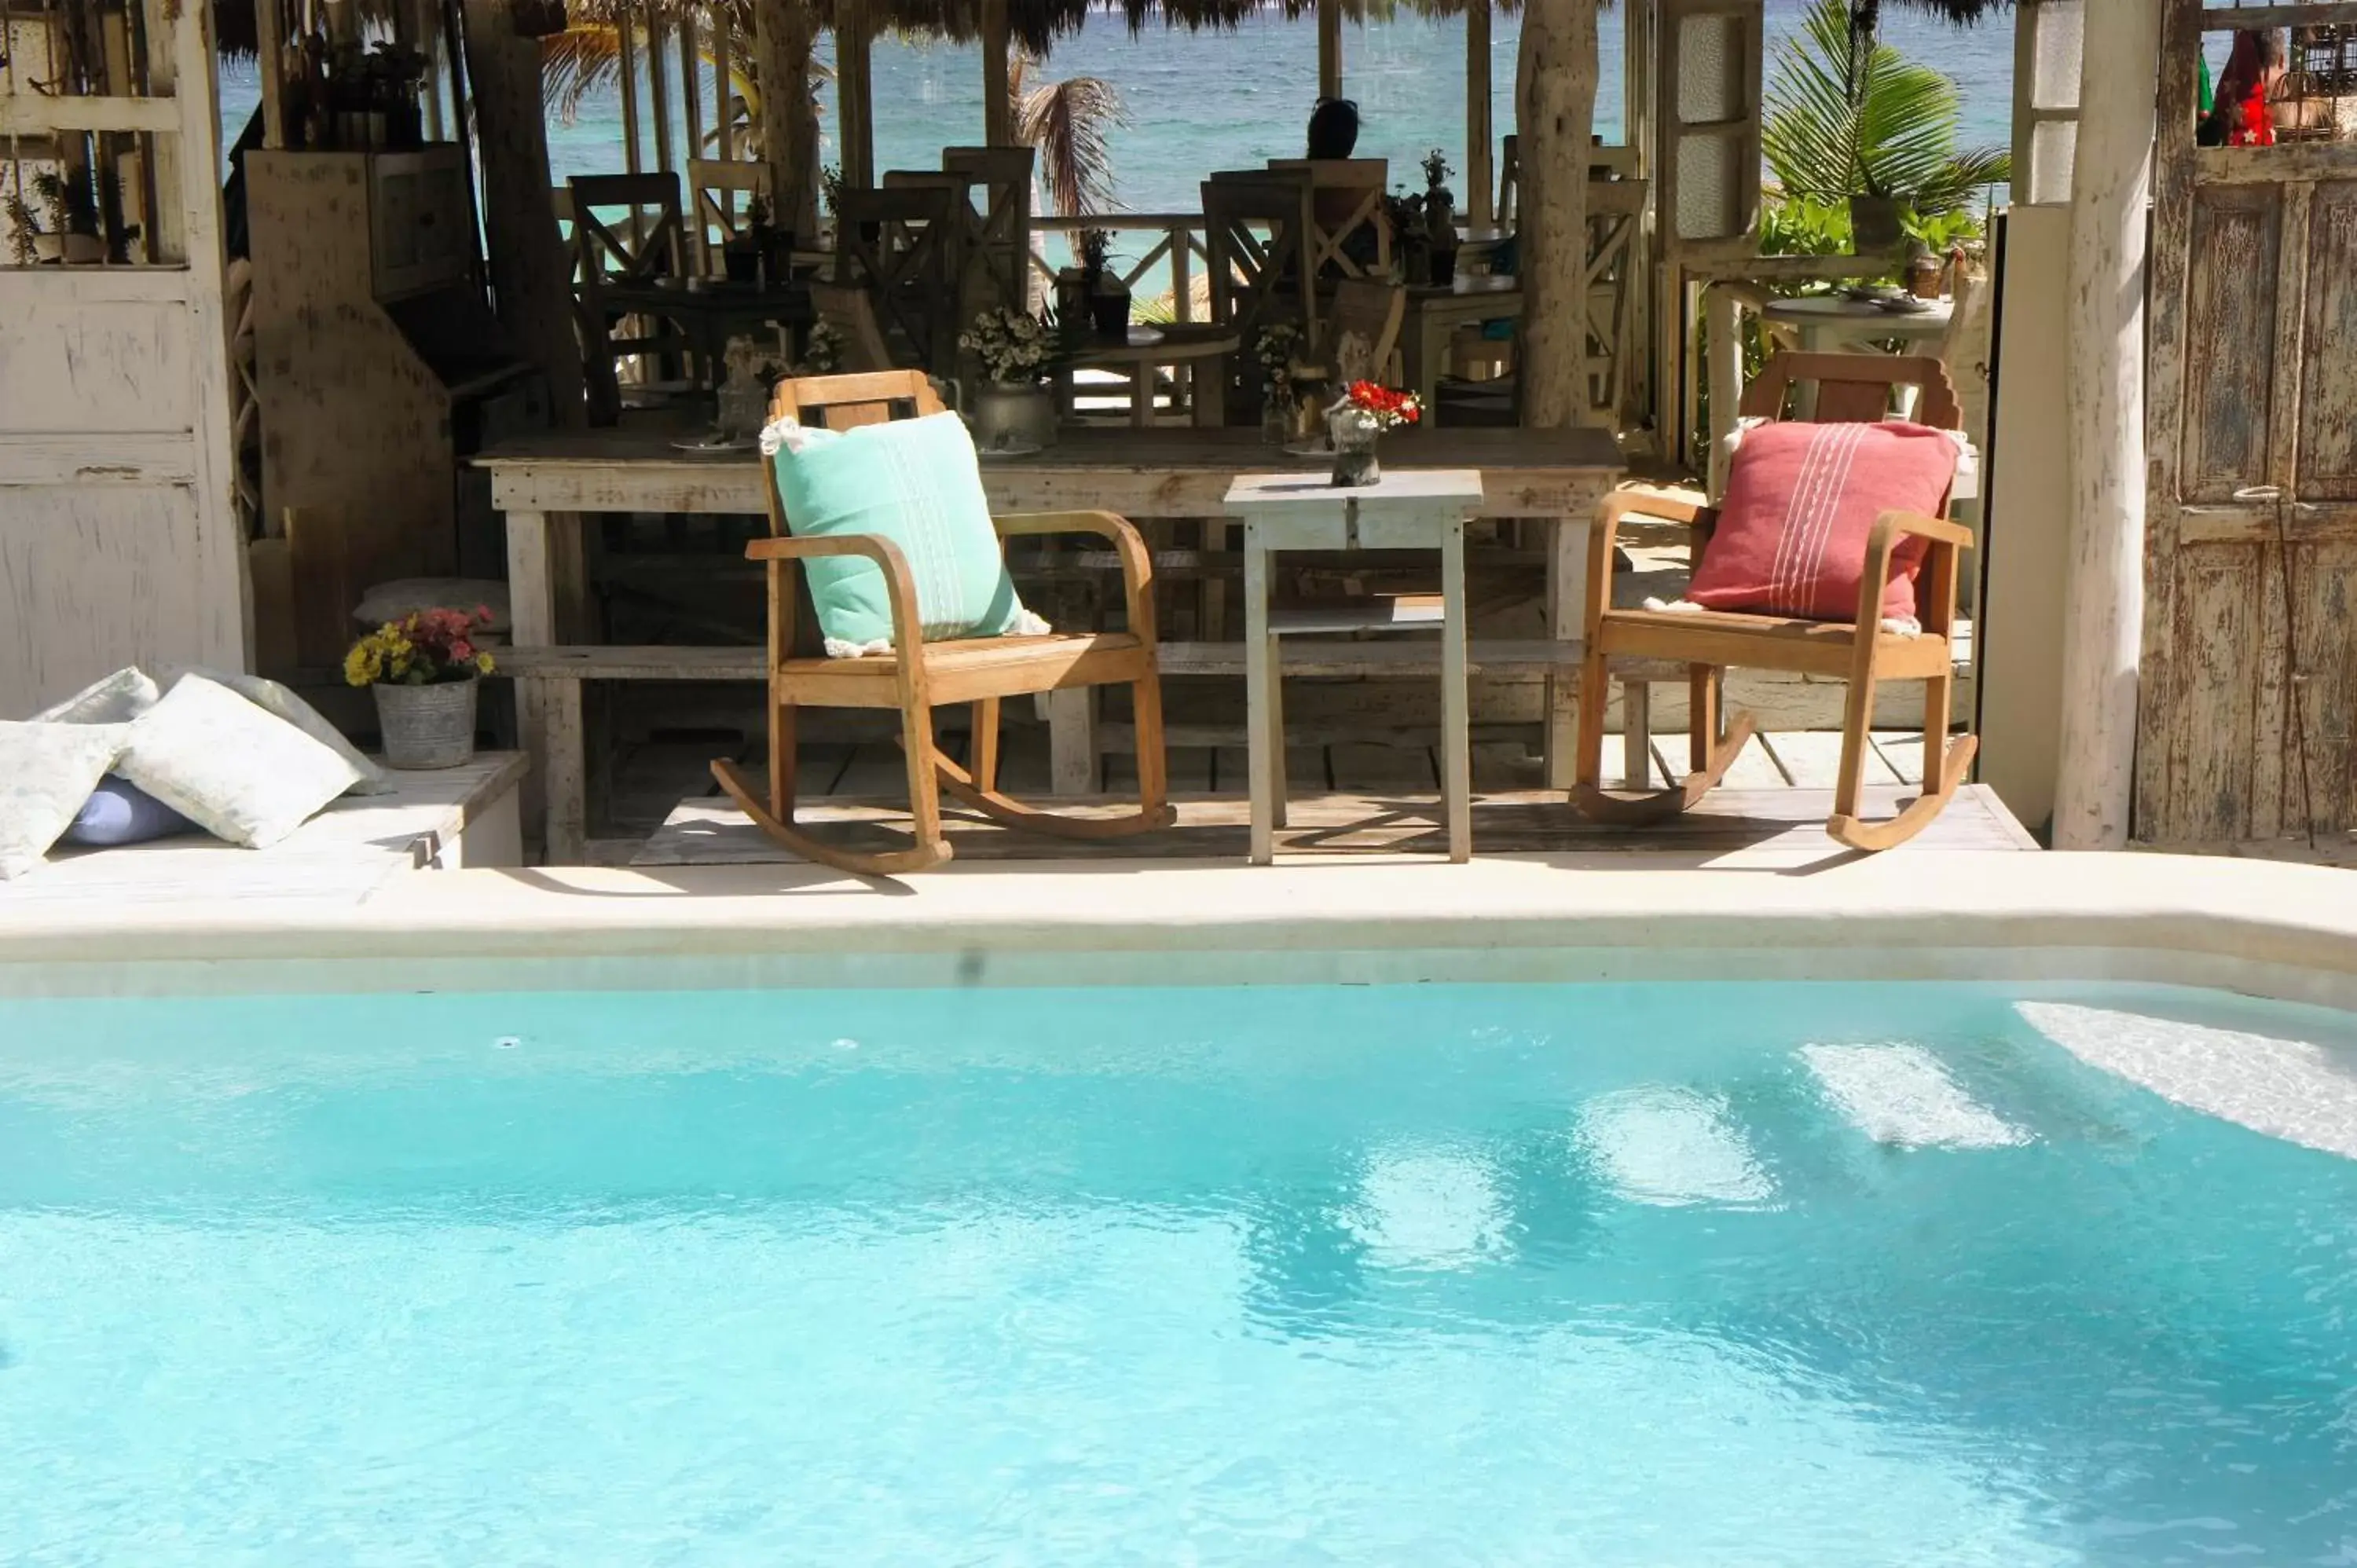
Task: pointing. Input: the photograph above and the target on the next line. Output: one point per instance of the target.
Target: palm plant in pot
(1439, 219)
(1105, 296)
(1011, 409)
(1851, 119)
(425, 669)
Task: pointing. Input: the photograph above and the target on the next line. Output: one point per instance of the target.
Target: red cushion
(1801, 499)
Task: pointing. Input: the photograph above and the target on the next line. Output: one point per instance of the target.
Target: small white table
(1417, 510)
(1830, 321)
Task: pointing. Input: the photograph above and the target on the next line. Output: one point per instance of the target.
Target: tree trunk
(532, 277)
(1555, 109)
(997, 101)
(783, 31)
(2103, 592)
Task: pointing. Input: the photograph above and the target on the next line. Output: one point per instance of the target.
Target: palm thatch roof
(1038, 24)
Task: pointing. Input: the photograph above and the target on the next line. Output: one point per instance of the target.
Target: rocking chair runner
(1708, 642)
(916, 677)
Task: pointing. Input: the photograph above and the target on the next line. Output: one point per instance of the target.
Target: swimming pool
(1808, 1274)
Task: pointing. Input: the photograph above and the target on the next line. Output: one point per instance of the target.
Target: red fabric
(1801, 499)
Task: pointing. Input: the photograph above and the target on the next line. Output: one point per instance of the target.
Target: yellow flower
(483, 663)
(359, 665)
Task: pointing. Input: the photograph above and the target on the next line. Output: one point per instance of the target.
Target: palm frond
(1849, 115)
(1067, 124)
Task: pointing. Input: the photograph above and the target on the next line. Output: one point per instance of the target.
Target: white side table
(1416, 510)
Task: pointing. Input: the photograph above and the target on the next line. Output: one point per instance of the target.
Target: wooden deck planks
(1782, 826)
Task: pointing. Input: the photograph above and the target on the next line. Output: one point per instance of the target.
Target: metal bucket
(426, 727)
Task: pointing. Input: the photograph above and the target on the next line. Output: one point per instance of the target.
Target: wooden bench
(554, 675)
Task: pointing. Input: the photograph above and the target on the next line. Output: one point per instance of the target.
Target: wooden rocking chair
(917, 677)
(1708, 642)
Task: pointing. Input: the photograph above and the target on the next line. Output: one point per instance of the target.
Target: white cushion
(272, 698)
(391, 601)
(236, 772)
(47, 772)
(116, 700)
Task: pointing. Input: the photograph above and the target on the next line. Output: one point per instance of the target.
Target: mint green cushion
(917, 483)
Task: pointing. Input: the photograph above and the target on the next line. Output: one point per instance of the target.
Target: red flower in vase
(1386, 408)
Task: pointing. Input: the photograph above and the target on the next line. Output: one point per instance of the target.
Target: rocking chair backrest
(1854, 388)
(847, 403)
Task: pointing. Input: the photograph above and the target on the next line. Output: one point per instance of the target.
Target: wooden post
(271, 55)
(724, 86)
(1480, 172)
(659, 90)
(626, 32)
(691, 89)
(997, 104)
(1554, 106)
(531, 274)
(1330, 49)
(854, 35)
(782, 33)
(2111, 184)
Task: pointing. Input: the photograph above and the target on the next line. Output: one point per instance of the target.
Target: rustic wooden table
(546, 483)
(1145, 350)
(1422, 508)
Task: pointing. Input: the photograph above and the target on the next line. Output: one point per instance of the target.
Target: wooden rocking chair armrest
(1941, 534)
(1136, 561)
(1686, 508)
(899, 587)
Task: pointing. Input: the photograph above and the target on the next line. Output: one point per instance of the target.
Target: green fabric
(2207, 102)
(917, 483)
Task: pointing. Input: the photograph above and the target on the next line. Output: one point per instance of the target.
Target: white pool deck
(2259, 927)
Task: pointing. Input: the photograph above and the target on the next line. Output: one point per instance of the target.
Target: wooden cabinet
(377, 361)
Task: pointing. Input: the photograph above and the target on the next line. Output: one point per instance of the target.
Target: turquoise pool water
(1645, 1275)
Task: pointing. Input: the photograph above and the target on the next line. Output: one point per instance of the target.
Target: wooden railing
(1179, 249)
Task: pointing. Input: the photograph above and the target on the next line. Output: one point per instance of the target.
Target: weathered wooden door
(120, 540)
(2250, 668)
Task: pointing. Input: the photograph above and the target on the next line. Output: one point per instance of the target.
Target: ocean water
(1198, 102)
(1819, 1276)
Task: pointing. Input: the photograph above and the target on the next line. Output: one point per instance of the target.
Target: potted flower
(1107, 296)
(1405, 210)
(742, 404)
(1439, 219)
(740, 253)
(1362, 413)
(1012, 407)
(822, 350)
(424, 669)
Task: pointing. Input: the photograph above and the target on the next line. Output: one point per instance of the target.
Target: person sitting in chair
(1333, 128)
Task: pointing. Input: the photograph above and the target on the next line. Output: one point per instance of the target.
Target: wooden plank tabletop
(1163, 472)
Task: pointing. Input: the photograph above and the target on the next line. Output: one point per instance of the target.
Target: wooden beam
(626, 31)
(1554, 110)
(997, 104)
(1480, 170)
(270, 52)
(659, 89)
(724, 88)
(29, 114)
(691, 87)
(853, 41)
(2104, 587)
(1330, 49)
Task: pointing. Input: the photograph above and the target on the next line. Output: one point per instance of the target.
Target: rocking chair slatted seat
(917, 677)
(1849, 388)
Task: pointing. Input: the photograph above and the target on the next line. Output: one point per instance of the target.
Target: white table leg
(1456, 739)
(1259, 677)
(1567, 605)
(1072, 741)
(1636, 736)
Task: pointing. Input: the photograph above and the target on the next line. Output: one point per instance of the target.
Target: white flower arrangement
(750, 359)
(823, 349)
(1013, 346)
(1275, 348)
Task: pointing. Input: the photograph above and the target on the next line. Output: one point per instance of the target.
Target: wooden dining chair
(903, 247)
(721, 192)
(999, 261)
(917, 677)
(627, 229)
(1640, 644)
(1257, 230)
(1360, 334)
(1346, 198)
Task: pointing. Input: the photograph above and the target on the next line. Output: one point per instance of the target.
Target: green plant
(830, 185)
(1067, 123)
(1802, 225)
(1939, 231)
(1094, 248)
(1849, 115)
(23, 230)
